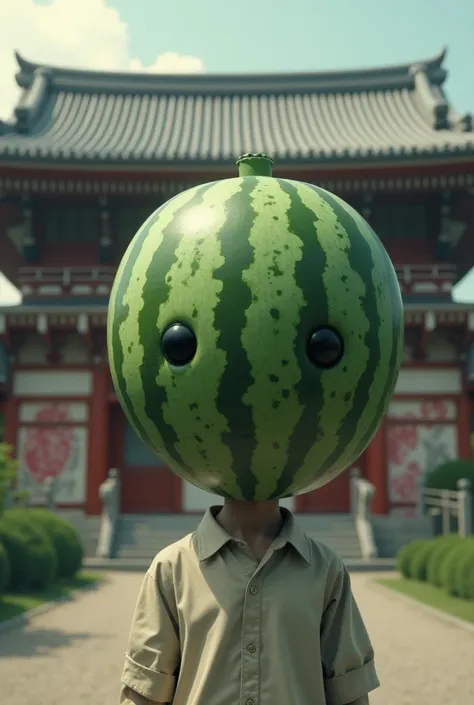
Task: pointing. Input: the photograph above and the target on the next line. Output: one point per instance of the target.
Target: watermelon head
(255, 334)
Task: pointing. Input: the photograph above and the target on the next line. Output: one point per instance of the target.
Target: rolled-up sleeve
(346, 650)
(153, 655)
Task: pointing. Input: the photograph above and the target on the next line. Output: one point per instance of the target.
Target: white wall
(49, 383)
(430, 380)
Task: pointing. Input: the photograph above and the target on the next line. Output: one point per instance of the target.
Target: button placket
(250, 644)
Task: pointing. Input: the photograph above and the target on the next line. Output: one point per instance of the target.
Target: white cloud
(74, 33)
(9, 294)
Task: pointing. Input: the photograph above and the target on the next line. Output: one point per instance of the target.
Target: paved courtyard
(73, 654)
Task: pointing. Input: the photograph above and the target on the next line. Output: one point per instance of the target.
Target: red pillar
(464, 427)
(11, 423)
(376, 470)
(98, 452)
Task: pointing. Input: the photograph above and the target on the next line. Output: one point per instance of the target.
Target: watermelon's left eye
(179, 344)
(325, 348)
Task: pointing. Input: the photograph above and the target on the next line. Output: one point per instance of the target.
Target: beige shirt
(212, 626)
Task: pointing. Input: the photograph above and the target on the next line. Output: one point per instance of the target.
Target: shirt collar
(211, 537)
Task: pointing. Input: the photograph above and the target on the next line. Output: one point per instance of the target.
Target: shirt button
(254, 590)
(250, 702)
(251, 648)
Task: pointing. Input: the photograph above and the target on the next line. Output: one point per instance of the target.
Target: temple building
(87, 156)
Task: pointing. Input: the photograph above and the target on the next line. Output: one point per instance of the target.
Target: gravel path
(420, 659)
(78, 651)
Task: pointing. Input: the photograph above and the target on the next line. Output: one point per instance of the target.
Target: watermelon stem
(255, 165)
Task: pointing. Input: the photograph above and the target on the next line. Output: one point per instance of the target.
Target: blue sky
(243, 36)
(292, 35)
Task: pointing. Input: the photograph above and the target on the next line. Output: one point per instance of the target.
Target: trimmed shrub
(30, 553)
(406, 555)
(448, 567)
(446, 476)
(64, 537)
(444, 545)
(16, 548)
(418, 563)
(4, 570)
(466, 577)
(463, 574)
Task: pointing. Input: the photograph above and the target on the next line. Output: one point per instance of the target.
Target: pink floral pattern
(413, 450)
(434, 410)
(405, 486)
(401, 440)
(48, 447)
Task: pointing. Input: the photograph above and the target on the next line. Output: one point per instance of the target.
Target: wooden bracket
(5, 333)
(84, 329)
(429, 326)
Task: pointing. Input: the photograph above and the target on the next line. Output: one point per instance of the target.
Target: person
(247, 609)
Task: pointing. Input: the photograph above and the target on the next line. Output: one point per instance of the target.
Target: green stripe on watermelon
(391, 290)
(230, 322)
(150, 292)
(195, 284)
(369, 382)
(132, 369)
(325, 244)
(272, 324)
(118, 315)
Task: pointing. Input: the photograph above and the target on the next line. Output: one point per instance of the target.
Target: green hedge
(31, 554)
(64, 537)
(446, 562)
(421, 557)
(456, 574)
(405, 557)
(444, 546)
(4, 570)
(446, 476)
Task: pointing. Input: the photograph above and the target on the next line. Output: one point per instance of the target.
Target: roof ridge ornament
(32, 98)
(431, 98)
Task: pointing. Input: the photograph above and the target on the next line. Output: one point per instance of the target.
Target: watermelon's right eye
(325, 348)
(178, 344)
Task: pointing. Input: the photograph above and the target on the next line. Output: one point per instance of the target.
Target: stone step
(141, 537)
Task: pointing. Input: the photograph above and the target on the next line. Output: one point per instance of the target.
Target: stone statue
(49, 487)
(109, 494)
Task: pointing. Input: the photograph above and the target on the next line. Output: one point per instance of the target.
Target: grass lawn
(433, 597)
(12, 605)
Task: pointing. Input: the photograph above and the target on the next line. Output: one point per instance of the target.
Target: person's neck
(247, 520)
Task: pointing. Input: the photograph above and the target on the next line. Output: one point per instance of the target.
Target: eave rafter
(84, 330)
(5, 336)
(468, 337)
(166, 186)
(44, 330)
(427, 329)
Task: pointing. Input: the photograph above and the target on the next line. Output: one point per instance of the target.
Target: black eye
(179, 344)
(325, 347)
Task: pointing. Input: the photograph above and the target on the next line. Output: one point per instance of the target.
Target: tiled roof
(393, 113)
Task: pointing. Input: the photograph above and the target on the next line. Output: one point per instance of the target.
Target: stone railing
(362, 496)
(451, 503)
(109, 493)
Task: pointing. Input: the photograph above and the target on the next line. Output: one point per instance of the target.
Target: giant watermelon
(255, 334)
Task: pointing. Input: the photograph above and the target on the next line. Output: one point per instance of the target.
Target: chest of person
(232, 593)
